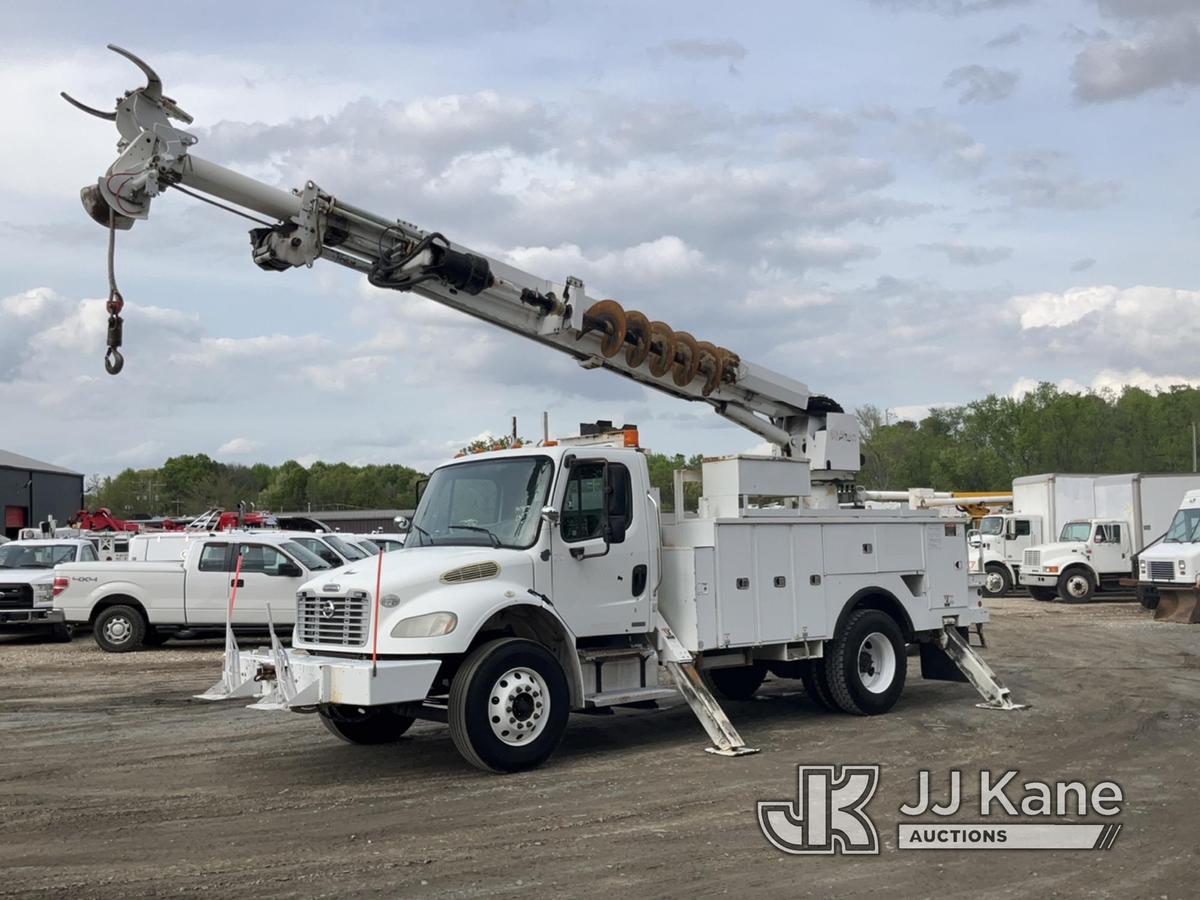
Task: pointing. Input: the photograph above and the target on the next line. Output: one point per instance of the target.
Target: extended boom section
(308, 224)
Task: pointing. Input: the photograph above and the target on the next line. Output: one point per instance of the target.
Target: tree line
(187, 485)
(984, 445)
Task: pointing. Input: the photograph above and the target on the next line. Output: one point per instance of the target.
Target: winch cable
(113, 360)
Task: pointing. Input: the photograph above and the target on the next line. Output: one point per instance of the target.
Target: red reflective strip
(375, 630)
(237, 576)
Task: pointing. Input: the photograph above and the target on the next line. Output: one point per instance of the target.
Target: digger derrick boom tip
(308, 224)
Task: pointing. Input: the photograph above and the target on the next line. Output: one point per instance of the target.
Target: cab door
(1110, 548)
(207, 583)
(1017, 537)
(600, 549)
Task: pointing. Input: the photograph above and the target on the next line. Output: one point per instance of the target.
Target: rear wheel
(509, 704)
(735, 683)
(816, 685)
(866, 663)
(119, 629)
(996, 581)
(1076, 586)
(1044, 594)
(365, 724)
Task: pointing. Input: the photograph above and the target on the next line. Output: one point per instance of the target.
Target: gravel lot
(114, 783)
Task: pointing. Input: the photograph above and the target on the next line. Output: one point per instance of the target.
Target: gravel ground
(115, 783)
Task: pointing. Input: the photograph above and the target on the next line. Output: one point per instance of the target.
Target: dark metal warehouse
(31, 491)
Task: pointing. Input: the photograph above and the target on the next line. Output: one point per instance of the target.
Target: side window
(1114, 534)
(212, 558)
(87, 554)
(260, 558)
(319, 548)
(583, 504)
(1022, 528)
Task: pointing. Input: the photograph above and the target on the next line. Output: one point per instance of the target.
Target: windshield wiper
(480, 528)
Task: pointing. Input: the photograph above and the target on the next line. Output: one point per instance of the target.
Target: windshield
(345, 548)
(490, 503)
(992, 525)
(370, 546)
(1185, 528)
(1076, 531)
(304, 556)
(43, 556)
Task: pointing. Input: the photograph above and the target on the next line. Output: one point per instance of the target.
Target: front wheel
(1148, 597)
(119, 629)
(509, 704)
(1076, 586)
(1043, 594)
(866, 663)
(60, 633)
(364, 724)
(996, 581)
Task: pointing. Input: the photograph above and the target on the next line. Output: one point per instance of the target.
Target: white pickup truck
(136, 604)
(27, 581)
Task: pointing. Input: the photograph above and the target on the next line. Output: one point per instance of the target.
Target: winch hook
(114, 362)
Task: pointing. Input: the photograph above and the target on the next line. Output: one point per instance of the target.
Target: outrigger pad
(1181, 607)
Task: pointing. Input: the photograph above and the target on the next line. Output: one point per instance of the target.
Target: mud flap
(1181, 607)
(936, 664)
(977, 672)
(682, 669)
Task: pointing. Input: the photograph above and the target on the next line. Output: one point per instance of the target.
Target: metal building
(31, 491)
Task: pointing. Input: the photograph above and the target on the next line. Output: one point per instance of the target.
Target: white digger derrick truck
(545, 580)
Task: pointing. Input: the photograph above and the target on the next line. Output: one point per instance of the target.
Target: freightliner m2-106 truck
(544, 580)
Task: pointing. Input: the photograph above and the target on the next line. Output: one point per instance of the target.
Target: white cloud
(239, 446)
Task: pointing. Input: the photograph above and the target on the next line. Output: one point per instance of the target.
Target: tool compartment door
(945, 566)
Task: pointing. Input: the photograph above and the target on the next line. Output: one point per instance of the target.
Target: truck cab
(1090, 555)
(998, 548)
(1173, 563)
(27, 581)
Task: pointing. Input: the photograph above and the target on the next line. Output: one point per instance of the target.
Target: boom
(309, 224)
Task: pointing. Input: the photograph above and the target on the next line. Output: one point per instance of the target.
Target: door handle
(237, 582)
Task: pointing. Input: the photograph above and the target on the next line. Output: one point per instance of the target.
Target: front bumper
(35, 617)
(287, 679)
(1039, 580)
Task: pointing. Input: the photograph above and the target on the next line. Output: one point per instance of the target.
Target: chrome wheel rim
(518, 706)
(1077, 586)
(876, 663)
(993, 583)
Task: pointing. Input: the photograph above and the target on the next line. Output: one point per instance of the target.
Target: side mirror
(403, 524)
(419, 490)
(290, 570)
(616, 507)
(551, 515)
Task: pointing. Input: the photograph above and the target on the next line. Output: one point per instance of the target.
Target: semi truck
(544, 580)
(1094, 553)
(1042, 505)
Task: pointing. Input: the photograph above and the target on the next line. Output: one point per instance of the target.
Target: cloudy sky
(899, 202)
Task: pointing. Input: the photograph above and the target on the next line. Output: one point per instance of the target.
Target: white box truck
(1168, 571)
(1093, 553)
(1042, 505)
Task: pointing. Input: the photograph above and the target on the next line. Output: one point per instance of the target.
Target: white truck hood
(413, 566)
(25, 576)
(1060, 549)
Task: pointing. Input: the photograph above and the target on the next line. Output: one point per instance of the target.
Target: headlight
(1182, 567)
(43, 593)
(429, 625)
(1142, 566)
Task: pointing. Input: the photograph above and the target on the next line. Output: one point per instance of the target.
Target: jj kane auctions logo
(829, 814)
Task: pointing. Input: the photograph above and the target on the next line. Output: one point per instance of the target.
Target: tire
(120, 629)
(997, 582)
(1148, 597)
(60, 633)
(1076, 585)
(515, 679)
(1043, 594)
(866, 663)
(816, 685)
(365, 724)
(735, 683)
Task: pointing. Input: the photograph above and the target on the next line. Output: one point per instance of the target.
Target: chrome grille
(343, 621)
(1162, 570)
(1033, 559)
